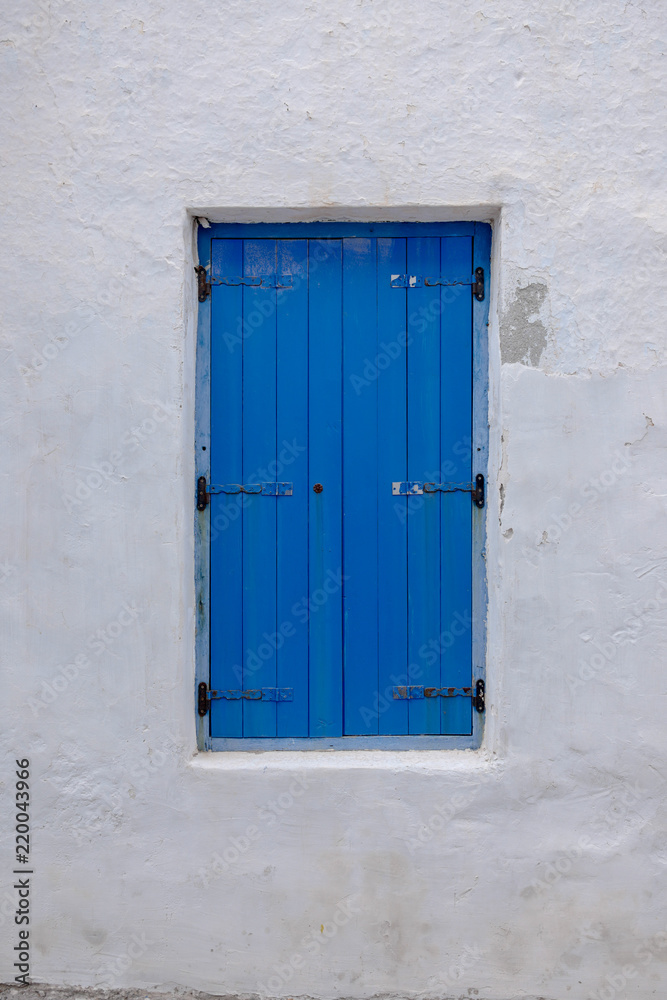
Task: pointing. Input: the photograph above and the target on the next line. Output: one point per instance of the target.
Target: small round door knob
(317, 488)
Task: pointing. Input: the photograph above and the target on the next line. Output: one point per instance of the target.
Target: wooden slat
(392, 466)
(259, 515)
(423, 462)
(360, 488)
(225, 512)
(325, 508)
(456, 466)
(292, 466)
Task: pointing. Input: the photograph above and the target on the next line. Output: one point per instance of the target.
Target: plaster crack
(649, 423)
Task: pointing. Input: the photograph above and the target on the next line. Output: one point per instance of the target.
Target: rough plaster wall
(543, 872)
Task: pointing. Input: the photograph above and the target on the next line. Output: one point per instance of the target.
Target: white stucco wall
(543, 874)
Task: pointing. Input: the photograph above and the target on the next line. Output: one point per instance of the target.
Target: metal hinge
(204, 696)
(255, 280)
(203, 286)
(476, 489)
(419, 281)
(415, 692)
(479, 700)
(266, 489)
(250, 280)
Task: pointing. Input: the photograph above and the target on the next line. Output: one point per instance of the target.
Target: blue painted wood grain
(360, 486)
(292, 466)
(423, 523)
(455, 640)
(393, 336)
(410, 574)
(259, 512)
(225, 512)
(325, 515)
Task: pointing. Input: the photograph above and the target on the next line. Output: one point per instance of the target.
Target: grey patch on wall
(523, 335)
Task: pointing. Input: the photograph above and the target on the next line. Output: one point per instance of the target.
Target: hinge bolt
(203, 700)
(203, 286)
(479, 699)
(202, 495)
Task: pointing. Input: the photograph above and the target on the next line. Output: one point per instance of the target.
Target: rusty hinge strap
(476, 281)
(478, 286)
(417, 488)
(255, 280)
(416, 692)
(266, 489)
(203, 703)
(203, 286)
(255, 694)
(204, 696)
(251, 280)
(204, 491)
(409, 692)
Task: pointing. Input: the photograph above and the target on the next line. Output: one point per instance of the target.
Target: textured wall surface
(532, 868)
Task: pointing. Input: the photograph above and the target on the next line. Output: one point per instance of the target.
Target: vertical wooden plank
(360, 487)
(423, 522)
(392, 512)
(292, 466)
(324, 598)
(226, 466)
(259, 515)
(456, 466)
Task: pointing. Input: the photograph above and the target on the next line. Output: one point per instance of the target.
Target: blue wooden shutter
(327, 369)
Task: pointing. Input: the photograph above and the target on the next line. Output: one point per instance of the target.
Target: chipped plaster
(523, 335)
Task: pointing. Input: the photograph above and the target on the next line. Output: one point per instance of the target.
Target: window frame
(482, 236)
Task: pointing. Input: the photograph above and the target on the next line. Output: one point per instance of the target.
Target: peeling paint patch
(523, 335)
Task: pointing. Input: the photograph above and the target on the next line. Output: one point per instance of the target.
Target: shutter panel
(335, 372)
